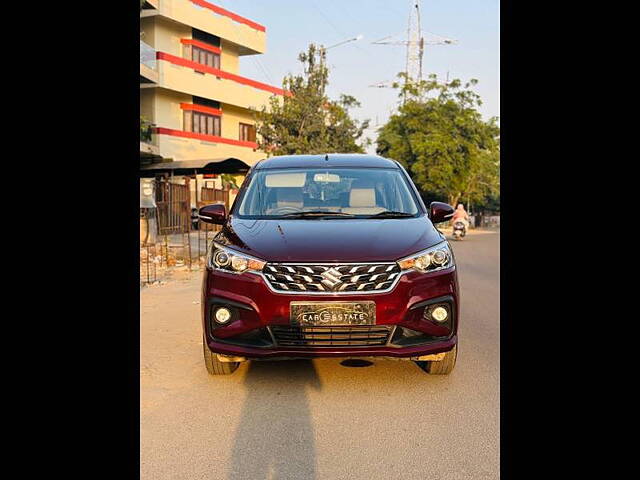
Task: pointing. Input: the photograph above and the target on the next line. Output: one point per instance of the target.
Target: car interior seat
(362, 201)
(288, 197)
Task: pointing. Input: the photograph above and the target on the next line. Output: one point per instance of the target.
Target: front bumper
(257, 308)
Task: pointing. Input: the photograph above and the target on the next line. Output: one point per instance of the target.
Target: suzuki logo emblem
(331, 278)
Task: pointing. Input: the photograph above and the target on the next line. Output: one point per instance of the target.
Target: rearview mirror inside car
(326, 177)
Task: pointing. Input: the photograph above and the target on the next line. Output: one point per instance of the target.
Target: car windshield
(328, 193)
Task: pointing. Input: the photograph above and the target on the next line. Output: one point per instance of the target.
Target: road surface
(319, 419)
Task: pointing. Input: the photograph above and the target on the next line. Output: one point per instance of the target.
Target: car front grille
(335, 336)
(331, 278)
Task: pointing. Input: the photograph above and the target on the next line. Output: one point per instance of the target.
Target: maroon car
(329, 256)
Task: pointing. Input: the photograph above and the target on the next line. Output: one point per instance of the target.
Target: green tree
(146, 129)
(228, 179)
(307, 121)
(440, 137)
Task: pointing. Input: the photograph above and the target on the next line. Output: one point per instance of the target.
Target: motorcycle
(459, 230)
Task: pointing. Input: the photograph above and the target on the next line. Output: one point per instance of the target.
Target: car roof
(327, 160)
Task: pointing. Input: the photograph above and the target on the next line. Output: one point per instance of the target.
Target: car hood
(329, 240)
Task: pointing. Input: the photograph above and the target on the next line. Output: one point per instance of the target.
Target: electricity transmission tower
(415, 43)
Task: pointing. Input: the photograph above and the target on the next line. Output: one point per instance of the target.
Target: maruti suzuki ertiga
(329, 256)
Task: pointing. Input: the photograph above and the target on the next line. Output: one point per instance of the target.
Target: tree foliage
(439, 136)
(146, 129)
(308, 122)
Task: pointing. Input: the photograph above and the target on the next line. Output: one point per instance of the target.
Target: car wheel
(215, 366)
(444, 366)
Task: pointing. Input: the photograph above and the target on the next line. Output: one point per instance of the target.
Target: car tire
(215, 366)
(444, 366)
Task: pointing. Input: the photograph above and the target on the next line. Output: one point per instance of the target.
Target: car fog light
(439, 314)
(223, 315)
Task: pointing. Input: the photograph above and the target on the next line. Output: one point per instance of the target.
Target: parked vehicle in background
(329, 256)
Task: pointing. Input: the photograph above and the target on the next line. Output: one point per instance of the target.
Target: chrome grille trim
(332, 278)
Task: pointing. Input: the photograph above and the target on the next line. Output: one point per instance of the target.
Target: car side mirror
(216, 214)
(440, 212)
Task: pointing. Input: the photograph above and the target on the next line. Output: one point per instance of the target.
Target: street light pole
(354, 39)
(323, 50)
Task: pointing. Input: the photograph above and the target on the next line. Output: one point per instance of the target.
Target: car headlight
(433, 259)
(225, 259)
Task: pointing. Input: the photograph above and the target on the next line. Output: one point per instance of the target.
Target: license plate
(332, 313)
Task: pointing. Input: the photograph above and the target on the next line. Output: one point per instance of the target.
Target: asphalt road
(320, 419)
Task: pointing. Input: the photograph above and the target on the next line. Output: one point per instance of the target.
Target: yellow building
(191, 89)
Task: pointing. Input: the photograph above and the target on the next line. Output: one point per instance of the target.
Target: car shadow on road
(275, 437)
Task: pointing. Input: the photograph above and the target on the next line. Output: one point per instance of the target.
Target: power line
(326, 18)
(354, 22)
(256, 59)
(263, 68)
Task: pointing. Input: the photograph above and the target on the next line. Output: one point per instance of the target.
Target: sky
(292, 25)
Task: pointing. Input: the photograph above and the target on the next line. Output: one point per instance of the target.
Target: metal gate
(213, 195)
(173, 207)
(210, 196)
(206, 231)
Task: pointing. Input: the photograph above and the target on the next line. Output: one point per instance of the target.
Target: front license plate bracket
(317, 314)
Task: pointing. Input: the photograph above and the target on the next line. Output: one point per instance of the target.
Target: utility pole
(415, 44)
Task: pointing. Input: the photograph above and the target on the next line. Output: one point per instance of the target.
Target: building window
(247, 132)
(203, 123)
(205, 57)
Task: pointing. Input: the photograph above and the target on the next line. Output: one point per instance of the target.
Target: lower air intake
(351, 336)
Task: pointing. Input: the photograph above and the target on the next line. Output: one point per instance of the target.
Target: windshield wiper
(317, 213)
(392, 214)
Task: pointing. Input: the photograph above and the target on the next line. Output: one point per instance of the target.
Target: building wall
(229, 59)
(168, 113)
(163, 108)
(166, 34)
(180, 80)
(252, 40)
(207, 85)
(231, 119)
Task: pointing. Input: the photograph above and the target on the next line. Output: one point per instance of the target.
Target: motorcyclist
(460, 215)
